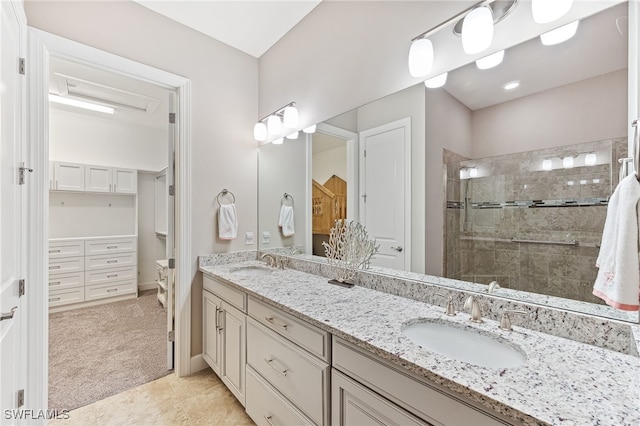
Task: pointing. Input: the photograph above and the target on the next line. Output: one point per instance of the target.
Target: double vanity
(295, 349)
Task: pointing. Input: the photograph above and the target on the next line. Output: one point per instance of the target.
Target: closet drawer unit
(59, 249)
(110, 290)
(110, 261)
(267, 407)
(110, 275)
(65, 281)
(309, 337)
(235, 297)
(66, 296)
(66, 264)
(300, 377)
(107, 246)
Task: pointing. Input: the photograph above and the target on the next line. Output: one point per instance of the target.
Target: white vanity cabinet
(110, 179)
(224, 334)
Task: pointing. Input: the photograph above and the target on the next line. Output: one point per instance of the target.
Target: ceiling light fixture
(490, 61)
(560, 34)
(272, 124)
(81, 104)
(545, 11)
(477, 30)
(437, 81)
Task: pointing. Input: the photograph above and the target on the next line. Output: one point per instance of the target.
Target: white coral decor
(349, 248)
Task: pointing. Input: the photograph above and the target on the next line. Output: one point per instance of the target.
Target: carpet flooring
(103, 350)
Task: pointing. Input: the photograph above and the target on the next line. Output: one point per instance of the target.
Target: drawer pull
(274, 322)
(111, 290)
(281, 371)
(268, 419)
(112, 276)
(112, 247)
(54, 266)
(112, 261)
(54, 299)
(54, 283)
(218, 322)
(54, 251)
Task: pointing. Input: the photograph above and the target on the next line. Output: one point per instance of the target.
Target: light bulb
(567, 162)
(490, 61)
(293, 135)
(547, 165)
(473, 173)
(260, 132)
(560, 34)
(544, 11)
(310, 129)
(437, 81)
(420, 57)
(278, 141)
(477, 30)
(274, 125)
(590, 159)
(290, 118)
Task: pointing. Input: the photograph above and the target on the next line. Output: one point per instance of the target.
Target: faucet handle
(505, 321)
(450, 309)
(473, 306)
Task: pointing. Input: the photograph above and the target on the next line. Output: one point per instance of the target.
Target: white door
(12, 229)
(385, 203)
(171, 168)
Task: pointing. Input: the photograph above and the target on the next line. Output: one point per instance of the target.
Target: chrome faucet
(473, 306)
(270, 259)
(505, 321)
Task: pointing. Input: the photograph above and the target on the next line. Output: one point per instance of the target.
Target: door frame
(42, 45)
(401, 123)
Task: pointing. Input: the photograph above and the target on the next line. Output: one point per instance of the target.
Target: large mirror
(474, 181)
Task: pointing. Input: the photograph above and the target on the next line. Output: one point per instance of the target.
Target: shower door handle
(398, 249)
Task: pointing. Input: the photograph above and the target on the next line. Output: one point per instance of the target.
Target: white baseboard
(147, 286)
(198, 363)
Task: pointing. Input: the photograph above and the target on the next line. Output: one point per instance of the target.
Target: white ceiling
(250, 26)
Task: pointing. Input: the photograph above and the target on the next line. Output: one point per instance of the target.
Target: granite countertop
(563, 382)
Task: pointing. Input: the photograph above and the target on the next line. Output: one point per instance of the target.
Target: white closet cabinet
(110, 179)
(67, 177)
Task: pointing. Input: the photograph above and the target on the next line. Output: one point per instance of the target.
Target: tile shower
(531, 221)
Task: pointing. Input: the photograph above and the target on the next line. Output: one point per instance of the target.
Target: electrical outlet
(266, 237)
(248, 238)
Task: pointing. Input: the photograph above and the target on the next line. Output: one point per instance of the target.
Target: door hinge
(364, 197)
(172, 263)
(365, 153)
(21, 288)
(171, 336)
(20, 398)
(21, 66)
(172, 117)
(21, 171)
(172, 190)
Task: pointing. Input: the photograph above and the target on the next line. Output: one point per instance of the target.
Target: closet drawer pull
(268, 419)
(55, 266)
(274, 322)
(54, 299)
(54, 251)
(112, 247)
(271, 364)
(112, 276)
(54, 283)
(111, 290)
(112, 261)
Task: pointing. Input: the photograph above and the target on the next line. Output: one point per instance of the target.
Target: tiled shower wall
(512, 197)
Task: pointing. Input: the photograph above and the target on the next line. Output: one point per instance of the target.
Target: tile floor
(200, 399)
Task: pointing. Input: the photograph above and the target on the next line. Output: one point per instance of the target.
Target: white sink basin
(464, 344)
(251, 271)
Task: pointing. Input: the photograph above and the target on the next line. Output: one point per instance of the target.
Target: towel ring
(222, 194)
(286, 197)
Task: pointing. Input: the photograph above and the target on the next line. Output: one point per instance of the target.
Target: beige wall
(224, 107)
(329, 163)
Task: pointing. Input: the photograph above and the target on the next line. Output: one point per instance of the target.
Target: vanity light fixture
(590, 159)
(81, 104)
(490, 61)
(260, 131)
(560, 34)
(420, 57)
(468, 172)
(274, 125)
(547, 165)
(278, 141)
(310, 129)
(473, 172)
(545, 11)
(290, 117)
(477, 30)
(293, 135)
(511, 85)
(271, 125)
(567, 162)
(437, 81)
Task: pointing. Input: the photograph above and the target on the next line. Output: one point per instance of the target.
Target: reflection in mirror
(486, 166)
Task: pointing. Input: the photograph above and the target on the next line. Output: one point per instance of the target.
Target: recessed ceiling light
(490, 61)
(560, 34)
(511, 85)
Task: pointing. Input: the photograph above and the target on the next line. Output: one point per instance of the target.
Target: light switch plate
(248, 238)
(266, 237)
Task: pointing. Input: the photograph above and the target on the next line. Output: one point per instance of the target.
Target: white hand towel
(618, 280)
(286, 221)
(227, 222)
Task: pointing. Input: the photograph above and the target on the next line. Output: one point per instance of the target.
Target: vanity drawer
(425, 400)
(300, 377)
(267, 407)
(110, 261)
(66, 264)
(59, 249)
(109, 245)
(65, 281)
(110, 275)
(305, 335)
(66, 296)
(233, 296)
(110, 290)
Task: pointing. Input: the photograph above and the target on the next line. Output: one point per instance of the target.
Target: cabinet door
(68, 177)
(97, 179)
(125, 181)
(233, 350)
(354, 404)
(211, 330)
